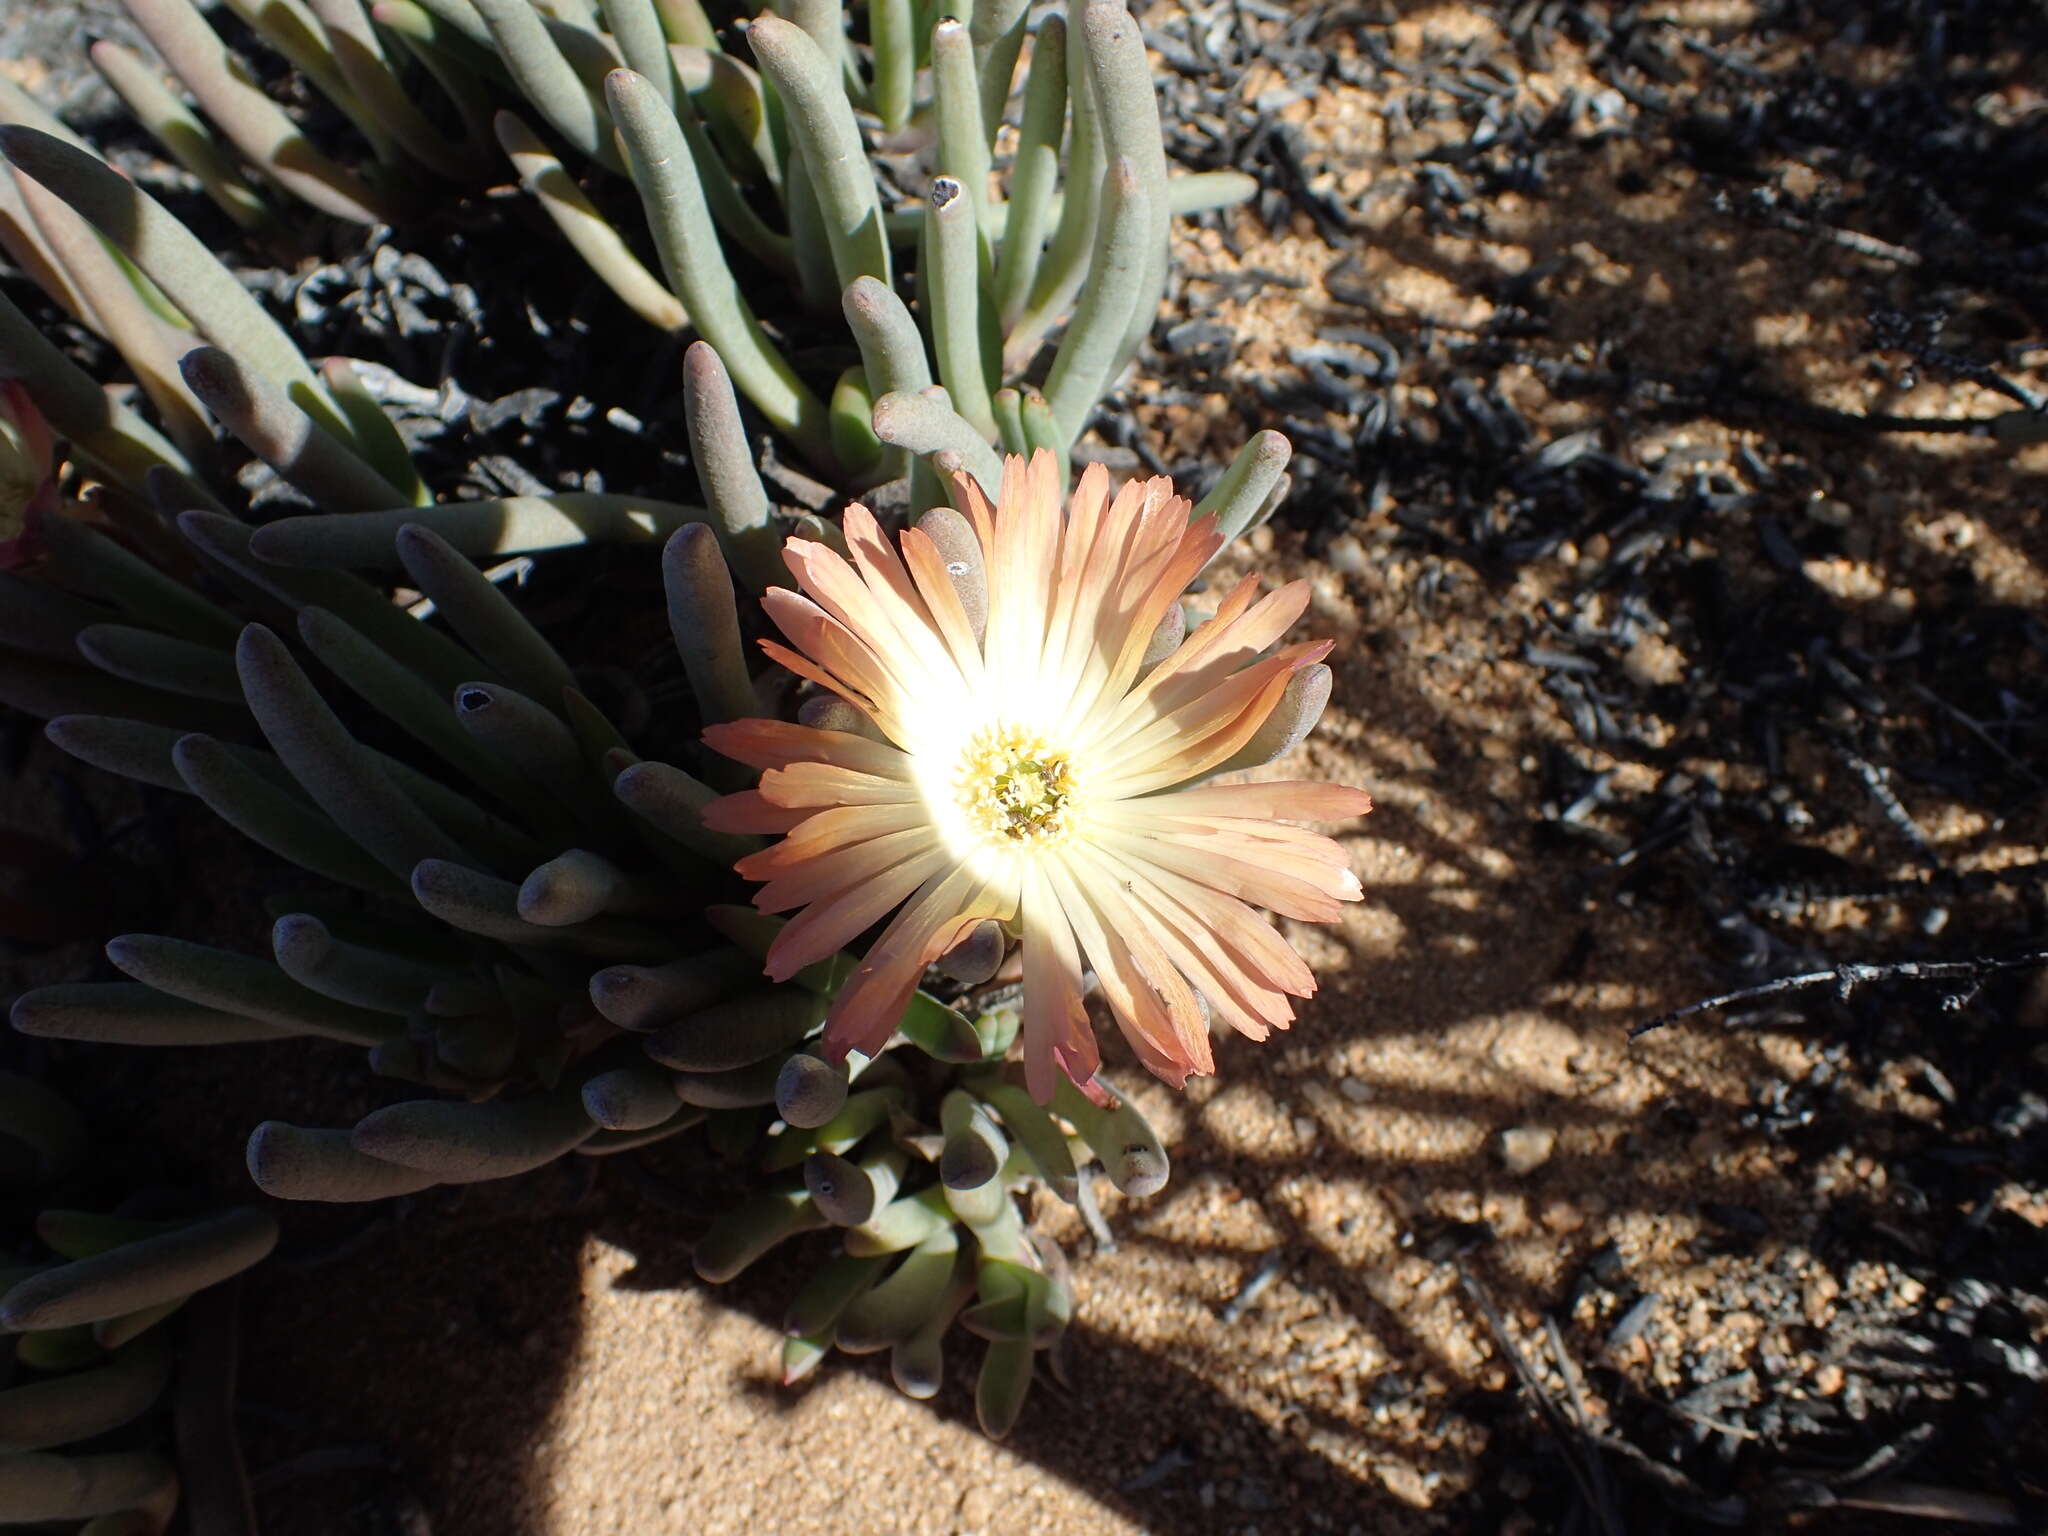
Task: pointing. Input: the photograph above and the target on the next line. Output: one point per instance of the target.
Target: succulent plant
(764, 165)
(546, 948)
(526, 919)
(91, 1368)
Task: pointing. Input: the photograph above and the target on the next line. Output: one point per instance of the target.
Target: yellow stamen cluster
(1016, 788)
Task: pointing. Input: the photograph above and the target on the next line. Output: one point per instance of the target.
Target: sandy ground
(535, 1359)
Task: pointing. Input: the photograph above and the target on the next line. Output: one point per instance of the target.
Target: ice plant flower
(28, 481)
(1035, 772)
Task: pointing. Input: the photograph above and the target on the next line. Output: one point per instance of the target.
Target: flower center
(1016, 788)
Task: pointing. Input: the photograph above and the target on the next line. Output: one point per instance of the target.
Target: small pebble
(1526, 1148)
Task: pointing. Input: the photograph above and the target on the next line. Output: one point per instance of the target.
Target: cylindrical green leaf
(890, 24)
(1044, 1142)
(674, 802)
(45, 620)
(365, 608)
(841, 1189)
(636, 27)
(84, 1404)
(926, 422)
(679, 219)
(479, 530)
(89, 562)
(634, 1098)
(466, 1143)
(640, 998)
(127, 1013)
(368, 71)
(955, 301)
(482, 904)
(956, 112)
(140, 1274)
(578, 885)
(724, 461)
(810, 1091)
(1246, 484)
(376, 439)
(38, 1485)
(331, 766)
(243, 984)
(846, 1127)
(121, 311)
(308, 951)
(918, 1363)
(478, 756)
(275, 816)
(117, 746)
(533, 55)
(1092, 351)
(998, 30)
(704, 619)
(743, 1235)
(893, 1309)
(1034, 170)
(1300, 706)
(740, 1088)
(821, 119)
(1130, 1149)
(256, 125)
(903, 1223)
(107, 432)
(1002, 1386)
(816, 1307)
(595, 238)
(162, 661)
(1121, 86)
(293, 1163)
(738, 1033)
(974, 1147)
(480, 612)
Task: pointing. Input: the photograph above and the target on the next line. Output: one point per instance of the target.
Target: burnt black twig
(1847, 978)
(1575, 1437)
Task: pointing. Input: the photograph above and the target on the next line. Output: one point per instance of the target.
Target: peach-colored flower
(28, 481)
(1036, 773)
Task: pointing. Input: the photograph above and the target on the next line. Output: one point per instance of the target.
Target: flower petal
(949, 616)
(1057, 1036)
(842, 653)
(809, 670)
(1227, 643)
(871, 1002)
(1247, 940)
(826, 927)
(822, 876)
(748, 812)
(1275, 890)
(816, 784)
(1247, 1004)
(821, 832)
(1152, 1001)
(778, 743)
(1284, 799)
